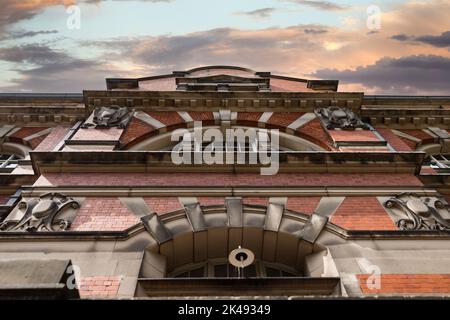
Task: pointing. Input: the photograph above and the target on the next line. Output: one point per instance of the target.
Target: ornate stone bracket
(414, 213)
(109, 117)
(340, 118)
(40, 214)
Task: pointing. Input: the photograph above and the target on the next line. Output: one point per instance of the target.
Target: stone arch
(162, 141)
(199, 233)
(17, 149)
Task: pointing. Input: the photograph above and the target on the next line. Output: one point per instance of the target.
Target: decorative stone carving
(40, 214)
(418, 213)
(108, 117)
(342, 118)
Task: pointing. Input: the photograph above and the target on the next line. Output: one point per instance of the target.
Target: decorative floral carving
(419, 213)
(40, 214)
(342, 118)
(108, 117)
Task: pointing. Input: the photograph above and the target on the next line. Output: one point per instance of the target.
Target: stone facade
(325, 224)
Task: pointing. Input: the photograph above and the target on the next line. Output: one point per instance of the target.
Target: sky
(378, 47)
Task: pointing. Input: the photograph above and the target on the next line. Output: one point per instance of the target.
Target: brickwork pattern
(53, 139)
(362, 213)
(283, 119)
(395, 141)
(99, 286)
(136, 131)
(103, 214)
(305, 205)
(162, 205)
(433, 284)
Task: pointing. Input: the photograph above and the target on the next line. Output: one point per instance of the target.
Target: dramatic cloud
(321, 5)
(259, 13)
(13, 11)
(40, 68)
(441, 41)
(32, 53)
(422, 74)
(380, 62)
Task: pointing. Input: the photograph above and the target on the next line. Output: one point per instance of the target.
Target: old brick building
(358, 207)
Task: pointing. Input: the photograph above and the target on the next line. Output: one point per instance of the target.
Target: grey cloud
(441, 41)
(32, 53)
(43, 69)
(422, 74)
(322, 5)
(315, 31)
(15, 35)
(259, 13)
(217, 46)
(401, 37)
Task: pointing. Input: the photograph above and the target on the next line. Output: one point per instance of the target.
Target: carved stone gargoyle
(109, 117)
(341, 118)
(419, 213)
(40, 214)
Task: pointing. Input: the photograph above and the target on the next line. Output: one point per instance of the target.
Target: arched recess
(196, 235)
(10, 154)
(163, 142)
(19, 150)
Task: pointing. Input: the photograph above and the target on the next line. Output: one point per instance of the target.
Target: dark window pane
(271, 272)
(220, 271)
(183, 275)
(232, 271)
(287, 274)
(250, 271)
(198, 273)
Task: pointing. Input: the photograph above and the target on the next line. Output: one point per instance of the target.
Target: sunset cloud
(413, 33)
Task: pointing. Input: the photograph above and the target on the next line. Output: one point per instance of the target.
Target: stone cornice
(147, 161)
(214, 101)
(193, 191)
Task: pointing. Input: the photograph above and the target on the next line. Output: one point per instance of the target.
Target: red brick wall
(362, 213)
(211, 201)
(99, 287)
(283, 119)
(313, 131)
(248, 118)
(163, 205)
(395, 141)
(206, 117)
(410, 143)
(103, 214)
(26, 132)
(33, 143)
(169, 118)
(21, 134)
(420, 134)
(259, 201)
(53, 139)
(303, 204)
(230, 179)
(408, 284)
(136, 131)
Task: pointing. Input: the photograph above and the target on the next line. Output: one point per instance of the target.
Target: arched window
(287, 142)
(220, 268)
